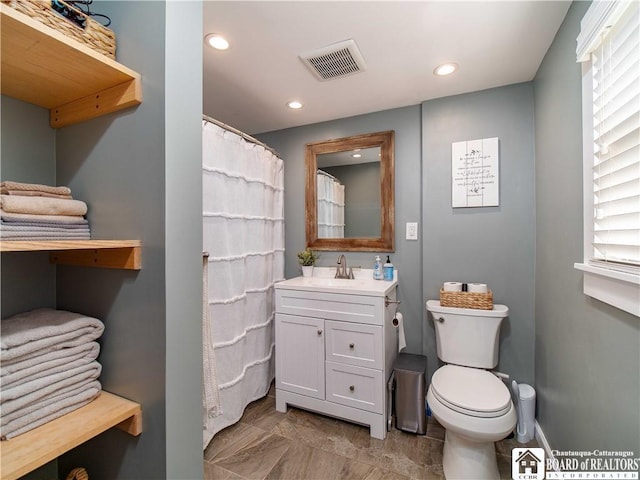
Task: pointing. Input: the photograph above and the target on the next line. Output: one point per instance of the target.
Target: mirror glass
(349, 197)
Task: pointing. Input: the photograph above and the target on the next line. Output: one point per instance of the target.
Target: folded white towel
(49, 412)
(49, 368)
(16, 217)
(35, 193)
(10, 185)
(43, 330)
(21, 396)
(57, 357)
(44, 239)
(43, 228)
(42, 205)
(70, 235)
(55, 397)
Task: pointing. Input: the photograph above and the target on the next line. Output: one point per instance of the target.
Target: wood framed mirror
(349, 193)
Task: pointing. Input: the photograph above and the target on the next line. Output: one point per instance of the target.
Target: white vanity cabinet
(335, 347)
(300, 355)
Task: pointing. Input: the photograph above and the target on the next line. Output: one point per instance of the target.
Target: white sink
(323, 281)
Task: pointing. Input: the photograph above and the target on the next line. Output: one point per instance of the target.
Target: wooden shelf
(122, 254)
(31, 450)
(45, 67)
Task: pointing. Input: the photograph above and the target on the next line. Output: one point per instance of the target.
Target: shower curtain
(243, 234)
(330, 206)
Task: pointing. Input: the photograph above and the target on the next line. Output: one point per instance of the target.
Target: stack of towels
(48, 367)
(30, 211)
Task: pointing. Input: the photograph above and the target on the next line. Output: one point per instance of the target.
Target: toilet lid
(471, 391)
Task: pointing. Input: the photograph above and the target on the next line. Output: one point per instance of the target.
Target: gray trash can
(410, 391)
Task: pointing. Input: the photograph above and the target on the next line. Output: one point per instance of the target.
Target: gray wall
(493, 245)
(502, 251)
(28, 143)
(183, 234)
(27, 155)
(139, 172)
(587, 353)
(290, 145)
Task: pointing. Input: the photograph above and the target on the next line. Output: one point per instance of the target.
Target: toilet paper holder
(388, 301)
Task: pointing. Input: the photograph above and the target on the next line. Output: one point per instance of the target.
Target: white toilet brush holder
(525, 399)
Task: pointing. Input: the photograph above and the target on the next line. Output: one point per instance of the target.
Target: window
(609, 49)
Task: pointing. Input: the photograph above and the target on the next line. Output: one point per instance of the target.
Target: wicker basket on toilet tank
(480, 301)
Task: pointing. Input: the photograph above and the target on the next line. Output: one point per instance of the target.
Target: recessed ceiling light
(294, 104)
(445, 69)
(217, 41)
(356, 155)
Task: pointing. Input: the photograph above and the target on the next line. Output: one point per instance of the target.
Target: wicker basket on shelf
(78, 474)
(84, 30)
(479, 301)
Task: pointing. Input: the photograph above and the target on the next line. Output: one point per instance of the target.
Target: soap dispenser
(377, 268)
(387, 270)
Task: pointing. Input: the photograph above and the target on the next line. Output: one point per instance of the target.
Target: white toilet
(471, 403)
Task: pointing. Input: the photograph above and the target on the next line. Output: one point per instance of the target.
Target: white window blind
(615, 62)
(609, 49)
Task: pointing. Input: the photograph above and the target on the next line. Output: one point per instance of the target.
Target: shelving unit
(31, 450)
(44, 67)
(123, 254)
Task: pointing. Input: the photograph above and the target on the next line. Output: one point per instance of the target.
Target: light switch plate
(412, 231)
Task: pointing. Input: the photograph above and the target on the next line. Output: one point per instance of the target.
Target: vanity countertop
(323, 281)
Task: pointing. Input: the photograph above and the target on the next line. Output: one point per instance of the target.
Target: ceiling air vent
(335, 61)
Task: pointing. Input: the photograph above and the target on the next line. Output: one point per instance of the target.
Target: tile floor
(300, 445)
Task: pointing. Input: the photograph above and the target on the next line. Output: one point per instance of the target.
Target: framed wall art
(475, 173)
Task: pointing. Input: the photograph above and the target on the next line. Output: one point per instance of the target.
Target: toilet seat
(471, 391)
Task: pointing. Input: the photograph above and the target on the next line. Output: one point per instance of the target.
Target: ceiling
(248, 85)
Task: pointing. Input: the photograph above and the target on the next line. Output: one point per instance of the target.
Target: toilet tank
(465, 336)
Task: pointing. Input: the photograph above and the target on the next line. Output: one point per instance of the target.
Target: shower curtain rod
(247, 137)
(322, 172)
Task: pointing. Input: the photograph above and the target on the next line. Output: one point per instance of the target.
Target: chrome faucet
(341, 269)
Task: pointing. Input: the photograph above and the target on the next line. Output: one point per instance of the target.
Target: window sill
(622, 290)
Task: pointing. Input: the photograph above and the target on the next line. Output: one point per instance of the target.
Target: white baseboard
(542, 441)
